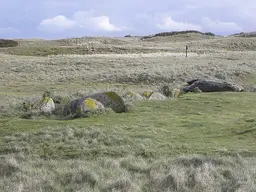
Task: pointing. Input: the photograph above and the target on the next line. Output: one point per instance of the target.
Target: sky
(53, 19)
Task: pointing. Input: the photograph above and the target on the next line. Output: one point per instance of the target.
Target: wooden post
(186, 51)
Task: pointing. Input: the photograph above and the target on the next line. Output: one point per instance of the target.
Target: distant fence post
(186, 51)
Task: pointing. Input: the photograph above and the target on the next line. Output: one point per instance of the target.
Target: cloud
(57, 23)
(80, 20)
(59, 18)
(8, 30)
(87, 20)
(220, 26)
(168, 23)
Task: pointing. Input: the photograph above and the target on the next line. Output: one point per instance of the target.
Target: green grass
(199, 142)
(194, 124)
(186, 144)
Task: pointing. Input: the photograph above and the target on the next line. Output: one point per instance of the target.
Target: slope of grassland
(197, 43)
(199, 142)
(195, 123)
(136, 151)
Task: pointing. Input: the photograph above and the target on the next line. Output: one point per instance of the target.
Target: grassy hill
(198, 142)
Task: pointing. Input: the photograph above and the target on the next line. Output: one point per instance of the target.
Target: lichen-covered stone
(132, 96)
(157, 96)
(108, 99)
(88, 105)
(46, 105)
(147, 94)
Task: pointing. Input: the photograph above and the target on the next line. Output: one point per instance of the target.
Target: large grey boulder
(107, 99)
(211, 85)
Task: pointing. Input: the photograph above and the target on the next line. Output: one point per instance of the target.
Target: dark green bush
(164, 34)
(8, 43)
(210, 34)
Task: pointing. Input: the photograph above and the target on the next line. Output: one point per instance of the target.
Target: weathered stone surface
(88, 105)
(133, 96)
(171, 92)
(108, 99)
(46, 105)
(211, 85)
(147, 94)
(157, 96)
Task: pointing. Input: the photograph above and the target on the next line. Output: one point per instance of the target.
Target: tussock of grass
(8, 166)
(211, 174)
(68, 143)
(204, 174)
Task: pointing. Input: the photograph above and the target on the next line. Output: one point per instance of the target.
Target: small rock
(147, 94)
(157, 96)
(132, 96)
(47, 105)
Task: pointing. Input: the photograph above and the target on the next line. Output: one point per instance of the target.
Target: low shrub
(8, 43)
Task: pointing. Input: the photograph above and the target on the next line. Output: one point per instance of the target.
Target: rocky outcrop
(211, 85)
(107, 99)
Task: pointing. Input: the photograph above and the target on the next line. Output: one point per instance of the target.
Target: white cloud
(82, 20)
(87, 20)
(8, 30)
(168, 23)
(57, 23)
(220, 26)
